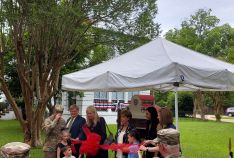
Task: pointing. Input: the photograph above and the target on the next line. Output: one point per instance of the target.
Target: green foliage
(230, 56)
(3, 105)
(219, 41)
(194, 31)
(20, 102)
(202, 21)
(10, 67)
(208, 100)
(74, 35)
(91, 24)
(161, 98)
(185, 102)
(171, 100)
(99, 54)
(60, 37)
(186, 37)
(201, 33)
(229, 100)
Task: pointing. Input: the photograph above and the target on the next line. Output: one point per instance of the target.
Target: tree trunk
(195, 105)
(12, 102)
(34, 133)
(25, 125)
(218, 103)
(199, 103)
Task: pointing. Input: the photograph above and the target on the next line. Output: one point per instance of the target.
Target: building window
(130, 94)
(120, 95)
(114, 95)
(96, 95)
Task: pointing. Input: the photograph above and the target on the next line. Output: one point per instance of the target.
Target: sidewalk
(212, 117)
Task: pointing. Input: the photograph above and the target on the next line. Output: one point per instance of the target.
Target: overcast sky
(172, 12)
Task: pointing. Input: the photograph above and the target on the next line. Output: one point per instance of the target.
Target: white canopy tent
(159, 64)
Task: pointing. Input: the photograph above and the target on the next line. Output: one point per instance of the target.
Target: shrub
(3, 105)
(185, 103)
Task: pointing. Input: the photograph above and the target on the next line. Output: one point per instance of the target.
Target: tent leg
(176, 108)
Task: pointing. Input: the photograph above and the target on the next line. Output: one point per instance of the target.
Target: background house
(105, 102)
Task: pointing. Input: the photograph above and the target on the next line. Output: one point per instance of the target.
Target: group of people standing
(158, 121)
(59, 134)
(159, 124)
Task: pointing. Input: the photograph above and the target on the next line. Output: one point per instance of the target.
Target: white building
(105, 102)
(2, 97)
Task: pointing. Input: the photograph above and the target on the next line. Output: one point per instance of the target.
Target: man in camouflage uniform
(168, 141)
(53, 126)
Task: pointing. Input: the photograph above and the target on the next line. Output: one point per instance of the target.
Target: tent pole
(176, 108)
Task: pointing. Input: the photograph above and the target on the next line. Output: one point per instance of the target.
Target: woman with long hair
(165, 117)
(96, 125)
(151, 127)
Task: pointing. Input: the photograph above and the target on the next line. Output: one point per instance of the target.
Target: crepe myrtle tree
(46, 35)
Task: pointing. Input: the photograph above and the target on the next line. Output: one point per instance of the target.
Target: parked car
(230, 111)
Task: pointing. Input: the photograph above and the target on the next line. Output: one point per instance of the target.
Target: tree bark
(218, 103)
(37, 89)
(195, 102)
(12, 102)
(199, 103)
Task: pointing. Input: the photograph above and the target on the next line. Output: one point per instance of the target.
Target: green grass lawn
(207, 139)
(199, 139)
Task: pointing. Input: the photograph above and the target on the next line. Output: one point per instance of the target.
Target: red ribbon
(126, 148)
(91, 145)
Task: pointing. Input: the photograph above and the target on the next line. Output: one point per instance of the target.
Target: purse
(110, 138)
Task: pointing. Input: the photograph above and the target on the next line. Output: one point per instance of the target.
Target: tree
(161, 98)
(194, 31)
(218, 101)
(202, 34)
(202, 21)
(47, 35)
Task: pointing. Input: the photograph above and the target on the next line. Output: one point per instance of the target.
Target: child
(67, 152)
(64, 142)
(134, 139)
